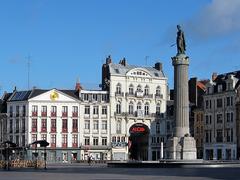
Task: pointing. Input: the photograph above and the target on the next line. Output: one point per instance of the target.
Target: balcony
(64, 130)
(139, 94)
(158, 96)
(121, 94)
(129, 94)
(74, 114)
(34, 113)
(74, 129)
(34, 129)
(44, 114)
(150, 96)
(44, 129)
(53, 145)
(53, 114)
(53, 129)
(74, 145)
(64, 145)
(64, 114)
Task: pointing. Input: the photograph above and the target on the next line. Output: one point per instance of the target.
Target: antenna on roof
(146, 60)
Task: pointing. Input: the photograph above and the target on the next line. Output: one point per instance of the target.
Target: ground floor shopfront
(220, 152)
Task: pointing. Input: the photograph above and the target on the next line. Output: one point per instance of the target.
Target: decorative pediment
(138, 72)
(53, 95)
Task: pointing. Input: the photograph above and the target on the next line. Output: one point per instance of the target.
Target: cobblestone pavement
(102, 172)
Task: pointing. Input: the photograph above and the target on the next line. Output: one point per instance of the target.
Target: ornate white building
(138, 100)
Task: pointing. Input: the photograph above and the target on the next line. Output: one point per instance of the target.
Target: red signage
(138, 128)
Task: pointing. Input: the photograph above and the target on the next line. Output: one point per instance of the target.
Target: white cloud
(220, 17)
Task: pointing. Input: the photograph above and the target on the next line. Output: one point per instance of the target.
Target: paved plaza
(102, 172)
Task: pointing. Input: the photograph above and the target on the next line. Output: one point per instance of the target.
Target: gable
(54, 95)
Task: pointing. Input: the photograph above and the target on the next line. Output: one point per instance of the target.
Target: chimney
(108, 60)
(214, 76)
(158, 66)
(15, 89)
(78, 86)
(124, 62)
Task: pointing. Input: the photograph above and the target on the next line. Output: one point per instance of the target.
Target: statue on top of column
(181, 46)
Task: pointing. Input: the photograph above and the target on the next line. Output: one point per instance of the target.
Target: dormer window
(229, 86)
(220, 88)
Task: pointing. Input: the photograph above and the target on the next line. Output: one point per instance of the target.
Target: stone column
(181, 99)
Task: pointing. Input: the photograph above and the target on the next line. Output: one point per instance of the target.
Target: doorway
(138, 142)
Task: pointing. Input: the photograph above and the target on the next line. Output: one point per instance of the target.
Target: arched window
(139, 88)
(158, 109)
(130, 108)
(118, 89)
(146, 109)
(119, 127)
(158, 91)
(139, 106)
(131, 90)
(146, 90)
(118, 107)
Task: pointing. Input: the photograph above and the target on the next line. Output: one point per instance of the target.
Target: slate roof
(25, 95)
(3, 102)
(119, 69)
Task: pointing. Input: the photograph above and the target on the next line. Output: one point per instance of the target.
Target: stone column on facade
(181, 146)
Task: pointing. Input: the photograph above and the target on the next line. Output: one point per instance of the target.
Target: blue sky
(67, 39)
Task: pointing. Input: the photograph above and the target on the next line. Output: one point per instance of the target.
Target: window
(139, 88)
(157, 127)
(130, 108)
(74, 124)
(75, 109)
(131, 90)
(11, 111)
(34, 125)
(87, 110)
(23, 140)
(219, 103)
(95, 109)
(44, 109)
(64, 138)
(17, 125)
(95, 141)
(53, 125)
(139, 106)
(122, 139)
(43, 137)
(64, 109)
(219, 118)
(23, 125)
(64, 125)
(118, 108)
(158, 91)
(104, 110)
(158, 109)
(44, 125)
(24, 110)
(54, 109)
(114, 139)
(94, 97)
(228, 101)
(104, 141)
(219, 135)
(219, 88)
(74, 138)
(85, 97)
(34, 110)
(17, 111)
(104, 97)
(146, 109)
(87, 141)
(10, 126)
(118, 88)
(146, 90)
(87, 124)
(34, 137)
(95, 124)
(104, 125)
(119, 127)
(53, 138)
